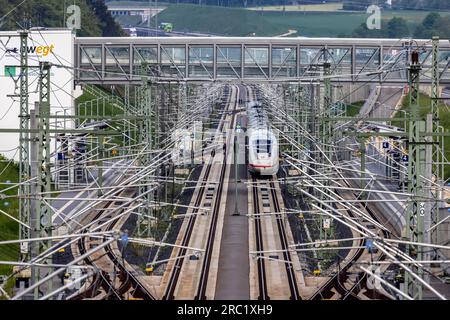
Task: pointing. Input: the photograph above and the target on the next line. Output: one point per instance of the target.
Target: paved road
(394, 208)
(387, 101)
(69, 208)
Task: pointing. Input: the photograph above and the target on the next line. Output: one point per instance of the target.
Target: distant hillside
(216, 20)
(433, 24)
(234, 3)
(242, 22)
(400, 4)
(95, 19)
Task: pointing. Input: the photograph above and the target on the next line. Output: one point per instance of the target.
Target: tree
(394, 28)
(397, 28)
(431, 20)
(363, 32)
(95, 19)
(399, 4)
(109, 26)
(433, 25)
(421, 4)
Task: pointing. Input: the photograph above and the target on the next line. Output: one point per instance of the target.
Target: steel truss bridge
(120, 60)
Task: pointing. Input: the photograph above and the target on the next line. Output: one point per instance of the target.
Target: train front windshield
(263, 146)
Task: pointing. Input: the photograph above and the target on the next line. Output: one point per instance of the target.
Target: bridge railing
(116, 60)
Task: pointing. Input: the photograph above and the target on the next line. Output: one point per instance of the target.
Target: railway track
(348, 288)
(261, 266)
(101, 279)
(262, 187)
(124, 281)
(337, 282)
(204, 274)
(361, 282)
(293, 287)
(262, 277)
(176, 271)
(129, 279)
(257, 187)
(170, 290)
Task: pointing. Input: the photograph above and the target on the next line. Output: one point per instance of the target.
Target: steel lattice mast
(44, 223)
(436, 170)
(416, 152)
(24, 162)
(144, 221)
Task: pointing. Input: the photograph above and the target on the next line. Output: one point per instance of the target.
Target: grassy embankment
(424, 109)
(9, 229)
(353, 109)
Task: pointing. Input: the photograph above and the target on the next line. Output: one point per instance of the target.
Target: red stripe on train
(259, 166)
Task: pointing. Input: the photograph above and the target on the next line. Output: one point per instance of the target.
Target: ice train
(262, 144)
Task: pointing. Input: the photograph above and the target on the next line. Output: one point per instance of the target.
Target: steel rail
(262, 277)
(203, 282)
(173, 280)
(293, 287)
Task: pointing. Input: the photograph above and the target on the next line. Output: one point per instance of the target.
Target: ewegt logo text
(42, 51)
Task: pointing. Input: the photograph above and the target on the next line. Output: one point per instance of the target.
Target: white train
(262, 144)
(187, 143)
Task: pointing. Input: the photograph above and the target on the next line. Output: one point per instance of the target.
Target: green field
(243, 22)
(128, 20)
(9, 229)
(134, 3)
(305, 7)
(353, 109)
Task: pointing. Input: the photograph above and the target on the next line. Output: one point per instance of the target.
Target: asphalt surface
(69, 208)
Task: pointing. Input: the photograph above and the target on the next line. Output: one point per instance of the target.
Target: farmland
(243, 22)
